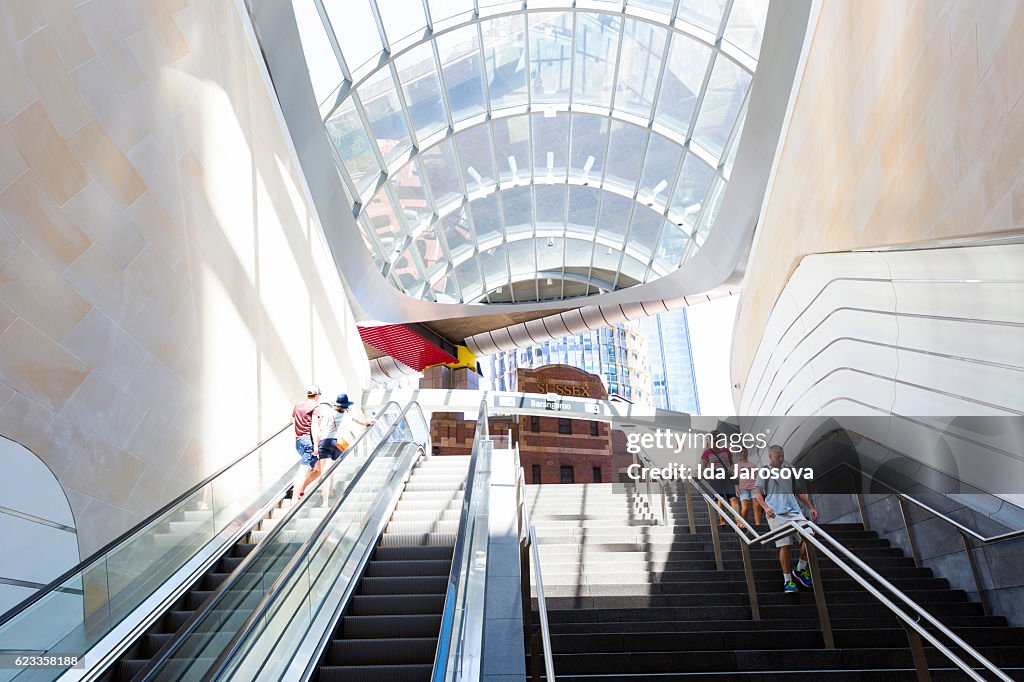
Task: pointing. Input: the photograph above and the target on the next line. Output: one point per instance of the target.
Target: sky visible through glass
(496, 154)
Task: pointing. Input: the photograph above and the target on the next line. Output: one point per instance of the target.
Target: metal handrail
(637, 458)
(180, 637)
(124, 537)
(811, 534)
(481, 433)
(985, 540)
(529, 549)
(293, 565)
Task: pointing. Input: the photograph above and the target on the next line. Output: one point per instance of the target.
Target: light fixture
(514, 167)
(551, 241)
(608, 252)
(586, 168)
(476, 176)
(660, 187)
(549, 281)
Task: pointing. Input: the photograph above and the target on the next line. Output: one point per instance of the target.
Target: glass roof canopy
(525, 151)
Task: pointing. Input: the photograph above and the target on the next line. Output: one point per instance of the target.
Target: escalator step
(175, 620)
(384, 569)
(375, 673)
(403, 651)
(232, 600)
(418, 540)
(242, 549)
(128, 668)
(156, 641)
(403, 585)
(212, 580)
(410, 625)
(396, 604)
(413, 553)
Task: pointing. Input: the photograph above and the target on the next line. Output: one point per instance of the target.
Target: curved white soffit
(719, 260)
(577, 321)
(387, 368)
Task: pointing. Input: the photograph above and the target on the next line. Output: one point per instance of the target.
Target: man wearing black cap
(332, 430)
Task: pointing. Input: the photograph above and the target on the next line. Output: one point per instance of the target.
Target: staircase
(390, 629)
(630, 600)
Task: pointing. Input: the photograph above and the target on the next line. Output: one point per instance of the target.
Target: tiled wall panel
(910, 114)
(165, 291)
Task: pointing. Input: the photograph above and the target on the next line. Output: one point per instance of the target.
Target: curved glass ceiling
(495, 153)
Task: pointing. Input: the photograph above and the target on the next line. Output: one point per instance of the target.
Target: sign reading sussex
(562, 380)
(573, 391)
(555, 382)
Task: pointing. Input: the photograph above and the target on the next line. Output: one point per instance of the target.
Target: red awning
(405, 345)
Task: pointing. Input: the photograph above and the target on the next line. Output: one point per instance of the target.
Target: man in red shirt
(302, 417)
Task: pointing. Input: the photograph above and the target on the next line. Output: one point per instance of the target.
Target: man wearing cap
(302, 418)
(333, 431)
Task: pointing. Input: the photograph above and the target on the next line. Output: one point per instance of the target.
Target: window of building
(535, 424)
(564, 426)
(597, 475)
(594, 429)
(567, 474)
(535, 473)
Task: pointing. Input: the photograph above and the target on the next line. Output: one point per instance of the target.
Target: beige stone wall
(908, 126)
(164, 290)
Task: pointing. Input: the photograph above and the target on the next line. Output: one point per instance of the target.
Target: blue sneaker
(790, 587)
(803, 575)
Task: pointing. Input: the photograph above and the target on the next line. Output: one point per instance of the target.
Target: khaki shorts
(782, 520)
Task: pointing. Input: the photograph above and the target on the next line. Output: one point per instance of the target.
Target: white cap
(312, 390)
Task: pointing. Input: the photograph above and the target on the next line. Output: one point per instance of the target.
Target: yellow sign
(573, 391)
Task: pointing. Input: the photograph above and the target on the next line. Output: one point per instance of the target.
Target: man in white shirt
(334, 430)
(781, 500)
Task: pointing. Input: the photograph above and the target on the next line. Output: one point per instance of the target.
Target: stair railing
(460, 641)
(529, 552)
(902, 499)
(818, 540)
(641, 460)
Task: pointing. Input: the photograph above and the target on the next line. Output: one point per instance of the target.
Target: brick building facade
(552, 449)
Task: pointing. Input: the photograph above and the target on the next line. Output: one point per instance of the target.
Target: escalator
(161, 633)
(217, 617)
(375, 585)
(210, 612)
(386, 598)
(390, 629)
(123, 606)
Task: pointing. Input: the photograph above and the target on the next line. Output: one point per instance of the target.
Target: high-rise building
(617, 354)
(673, 381)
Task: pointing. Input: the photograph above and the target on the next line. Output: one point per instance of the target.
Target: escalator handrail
(106, 549)
(983, 539)
(528, 538)
(228, 652)
(812, 533)
(207, 606)
(448, 615)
